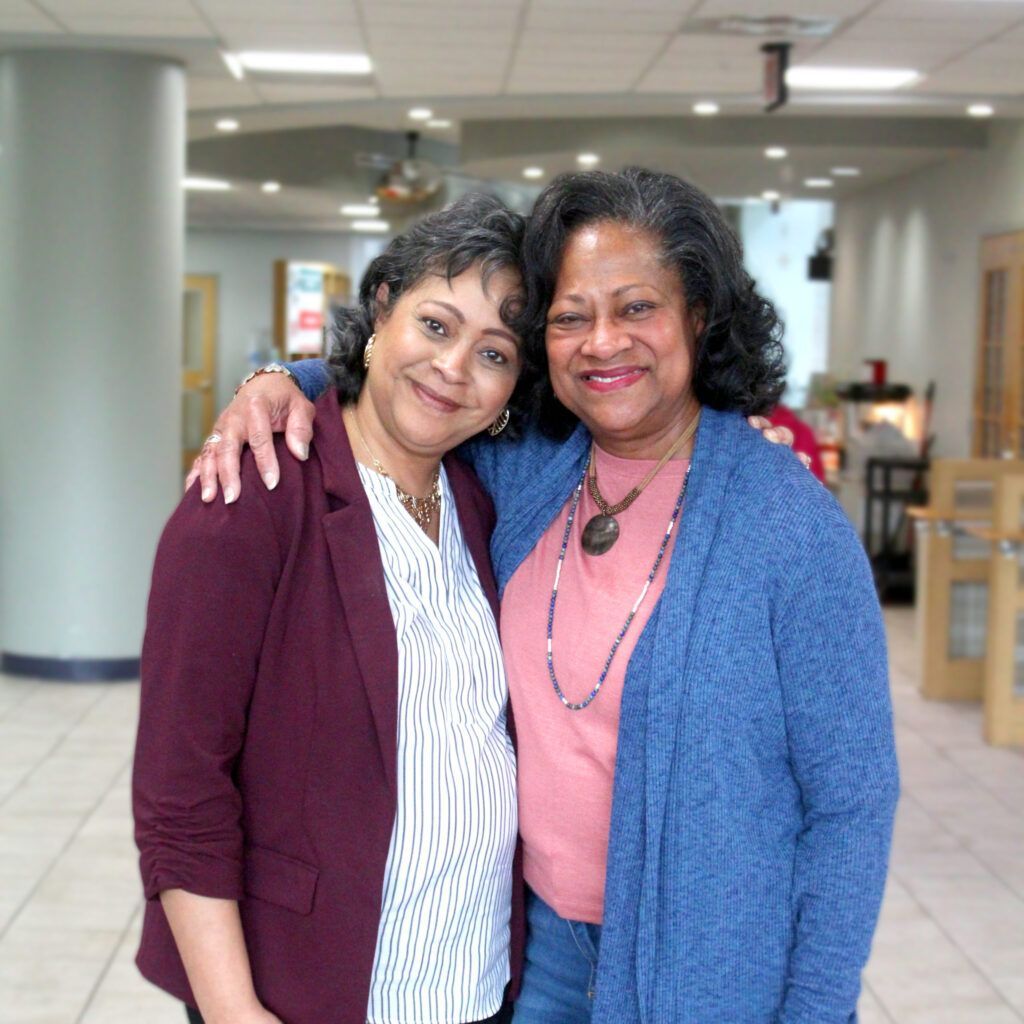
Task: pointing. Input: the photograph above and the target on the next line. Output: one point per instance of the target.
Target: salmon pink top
(567, 758)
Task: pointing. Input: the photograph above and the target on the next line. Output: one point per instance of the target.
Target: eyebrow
(457, 313)
(579, 299)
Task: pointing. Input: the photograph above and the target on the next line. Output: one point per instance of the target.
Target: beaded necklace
(572, 706)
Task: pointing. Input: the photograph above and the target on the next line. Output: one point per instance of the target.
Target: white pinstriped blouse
(442, 946)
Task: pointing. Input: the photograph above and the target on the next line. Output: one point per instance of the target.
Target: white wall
(905, 285)
(243, 262)
(776, 247)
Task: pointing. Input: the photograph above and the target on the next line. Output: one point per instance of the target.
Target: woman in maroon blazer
(321, 687)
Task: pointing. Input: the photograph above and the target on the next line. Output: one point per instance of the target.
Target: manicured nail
(304, 451)
(270, 479)
(207, 494)
(229, 495)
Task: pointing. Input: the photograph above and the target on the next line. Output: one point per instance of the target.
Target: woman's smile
(614, 379)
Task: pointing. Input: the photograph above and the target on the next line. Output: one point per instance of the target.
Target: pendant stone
(600, 534)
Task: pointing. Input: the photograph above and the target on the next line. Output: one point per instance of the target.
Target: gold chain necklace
(421, 509)
(602, 531)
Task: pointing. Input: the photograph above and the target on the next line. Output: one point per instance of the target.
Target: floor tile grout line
(60, 853)
(110, 962)
(29, 690)
(58, 741)
(940, 752)
(956, 945)
(962, 845)
(879, 1001)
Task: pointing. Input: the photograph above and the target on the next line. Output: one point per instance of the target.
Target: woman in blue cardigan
(696, 655)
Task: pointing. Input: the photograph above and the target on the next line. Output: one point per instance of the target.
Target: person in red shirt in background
(800, 435)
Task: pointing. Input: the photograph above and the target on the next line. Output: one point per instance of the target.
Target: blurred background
(187, 189)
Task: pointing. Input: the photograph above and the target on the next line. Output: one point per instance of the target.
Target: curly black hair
(476, 230)
(739, 362)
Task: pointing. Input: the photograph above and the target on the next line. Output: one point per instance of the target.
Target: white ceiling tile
(477, 85)
(611, 5)
(840, 9)
(325, 12)
(688, 45)
(156, 28)
(552, 19)
(554, 48)
(921, 30)
(709, 80)
(995, 13)
(21, 16)
(171, 9)
(977, 80)
(214, 93)
(892, 53)
(288, 35)
(399, 17)
(314, 93)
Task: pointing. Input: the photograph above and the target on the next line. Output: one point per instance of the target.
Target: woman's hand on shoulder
(267, 405)
(777, 435)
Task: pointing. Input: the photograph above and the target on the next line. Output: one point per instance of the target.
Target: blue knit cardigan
(756, 778)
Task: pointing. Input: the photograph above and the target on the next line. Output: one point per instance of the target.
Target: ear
(698, 319)
(380, 301)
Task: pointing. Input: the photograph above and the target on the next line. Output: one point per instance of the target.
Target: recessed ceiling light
(850, 78)
(533, 172)
(588, 159)
(439, 122)
(981, 110)
(234, 64)
(770, 195)
(776, 153)
(227, 124)
(705, 108)
(421, 113)
(373, 226)
(306, 63)
(194, 184)
(359, 210)
(846, 172)
(271, 186)
(818, 182)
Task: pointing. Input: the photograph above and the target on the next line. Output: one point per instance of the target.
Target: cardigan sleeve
(312, 376)
(831, 653)
(214, 580)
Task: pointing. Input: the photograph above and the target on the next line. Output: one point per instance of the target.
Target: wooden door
(199, 358)
(999, 381)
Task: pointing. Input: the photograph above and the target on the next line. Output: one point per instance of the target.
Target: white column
(91, 248)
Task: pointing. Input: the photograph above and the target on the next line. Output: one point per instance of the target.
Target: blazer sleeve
(831, 653)
(214, 580)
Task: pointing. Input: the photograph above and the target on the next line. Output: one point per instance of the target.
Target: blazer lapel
(359, 575)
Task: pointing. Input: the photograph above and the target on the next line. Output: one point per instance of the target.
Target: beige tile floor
(949, 949)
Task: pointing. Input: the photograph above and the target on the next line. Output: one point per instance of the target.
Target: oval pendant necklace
(580, 705)
(602, 531)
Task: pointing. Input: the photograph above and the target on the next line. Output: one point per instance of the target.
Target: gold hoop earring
(368, 351)
(499, 424)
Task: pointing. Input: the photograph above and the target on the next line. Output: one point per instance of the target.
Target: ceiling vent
(771, 27)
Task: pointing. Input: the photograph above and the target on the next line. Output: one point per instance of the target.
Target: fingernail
(771, 435)
(207, 494)
(270, 479)
(304, 451)
(229, 495)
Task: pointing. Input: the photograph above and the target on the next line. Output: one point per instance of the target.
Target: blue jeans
(560, 968)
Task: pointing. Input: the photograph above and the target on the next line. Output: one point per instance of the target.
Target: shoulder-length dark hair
(739, 362)
(476, 230)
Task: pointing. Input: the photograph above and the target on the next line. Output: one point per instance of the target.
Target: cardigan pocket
(279, 879)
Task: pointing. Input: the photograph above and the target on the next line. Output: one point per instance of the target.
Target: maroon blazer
(265, 770)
